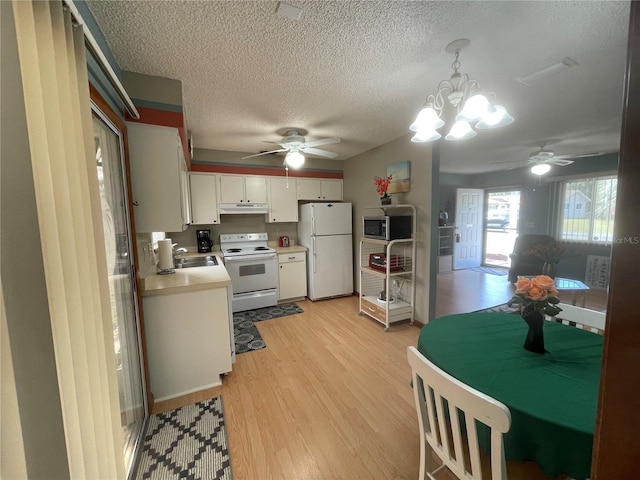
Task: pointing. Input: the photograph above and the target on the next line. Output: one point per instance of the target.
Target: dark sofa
(521, 262)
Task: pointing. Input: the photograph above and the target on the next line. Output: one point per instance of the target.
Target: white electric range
(253, 268)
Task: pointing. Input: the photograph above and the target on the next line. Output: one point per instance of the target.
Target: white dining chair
(431, 387)
(580, 317)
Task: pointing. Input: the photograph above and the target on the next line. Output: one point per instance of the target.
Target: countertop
(187, 279)
(192, 251)
(291, 249)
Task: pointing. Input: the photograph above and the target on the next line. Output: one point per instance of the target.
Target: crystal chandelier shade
(463, 95)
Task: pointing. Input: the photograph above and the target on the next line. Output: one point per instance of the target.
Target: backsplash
(236, 224)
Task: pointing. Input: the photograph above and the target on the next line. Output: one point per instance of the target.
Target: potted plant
(382, 185)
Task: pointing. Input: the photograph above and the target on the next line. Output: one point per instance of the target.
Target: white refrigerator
(325, 229)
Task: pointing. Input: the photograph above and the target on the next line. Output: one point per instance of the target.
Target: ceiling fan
(542, 159)
(295, 144)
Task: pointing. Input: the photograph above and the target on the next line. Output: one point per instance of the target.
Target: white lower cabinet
(188, 341)
(292, 275)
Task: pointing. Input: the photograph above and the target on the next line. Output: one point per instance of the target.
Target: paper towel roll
(165, 254)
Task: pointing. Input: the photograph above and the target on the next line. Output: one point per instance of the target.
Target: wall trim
(273, 171)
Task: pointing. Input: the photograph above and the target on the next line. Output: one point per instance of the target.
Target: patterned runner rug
(189, 442)
(246, 334)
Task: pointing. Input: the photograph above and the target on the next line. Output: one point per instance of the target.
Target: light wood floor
(329, 397)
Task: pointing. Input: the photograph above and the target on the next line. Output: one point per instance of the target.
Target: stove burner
(233, 250)
(261, 248)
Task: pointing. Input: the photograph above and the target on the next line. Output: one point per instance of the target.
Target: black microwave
(387, 227)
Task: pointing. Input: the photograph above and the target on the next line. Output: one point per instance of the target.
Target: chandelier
(465, 97)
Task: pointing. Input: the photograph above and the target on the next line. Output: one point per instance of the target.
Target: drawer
(292, 257)
(374, 310)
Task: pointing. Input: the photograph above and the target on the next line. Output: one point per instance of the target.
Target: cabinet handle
(292, 258)
(371, 309)
(280, 266)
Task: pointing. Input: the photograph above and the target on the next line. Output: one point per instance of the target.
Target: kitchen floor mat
(245, 333)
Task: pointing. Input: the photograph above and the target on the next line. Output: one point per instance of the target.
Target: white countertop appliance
(253, 268)
(325, 229)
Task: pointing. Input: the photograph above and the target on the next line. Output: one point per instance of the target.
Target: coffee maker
(204, 241)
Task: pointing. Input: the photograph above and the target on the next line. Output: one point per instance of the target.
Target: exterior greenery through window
(587, 212)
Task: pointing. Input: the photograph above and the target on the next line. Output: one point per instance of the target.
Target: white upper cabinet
(159, 178)
(204, 199)
(283, 202)
(319, 189)
(243, 189)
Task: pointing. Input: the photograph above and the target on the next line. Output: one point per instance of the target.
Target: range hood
(240, 208)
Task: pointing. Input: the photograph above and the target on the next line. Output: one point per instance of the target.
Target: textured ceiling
(360, 70)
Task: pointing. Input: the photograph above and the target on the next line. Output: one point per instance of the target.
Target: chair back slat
(432, 387)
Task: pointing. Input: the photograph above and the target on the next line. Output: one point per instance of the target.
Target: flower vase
(549, 269)
(534, 342)
(385, 199)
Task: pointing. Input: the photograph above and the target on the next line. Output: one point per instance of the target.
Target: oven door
(251, 273)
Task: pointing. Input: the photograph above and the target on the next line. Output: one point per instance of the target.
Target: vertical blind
(57, 105)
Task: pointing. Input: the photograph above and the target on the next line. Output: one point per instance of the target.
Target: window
(155, 236)
(589, 207)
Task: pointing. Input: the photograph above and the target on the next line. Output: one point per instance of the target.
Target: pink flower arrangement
(382, 184)
(538, 293)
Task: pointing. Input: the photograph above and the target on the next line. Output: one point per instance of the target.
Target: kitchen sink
(189, 262)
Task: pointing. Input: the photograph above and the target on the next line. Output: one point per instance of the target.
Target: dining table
(552, 396)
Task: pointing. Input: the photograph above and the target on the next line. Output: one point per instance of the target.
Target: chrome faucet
(179, 250)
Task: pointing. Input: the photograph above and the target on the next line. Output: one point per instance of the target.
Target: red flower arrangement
(382, 184)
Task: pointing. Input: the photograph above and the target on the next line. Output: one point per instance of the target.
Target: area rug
(245, 333)
(491, 271)
(189, 442)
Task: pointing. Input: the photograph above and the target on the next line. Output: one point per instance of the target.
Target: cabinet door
(255, 189)
(331, 189)
(309, 189)
(283, 202)
(157, 180)
(292, 280)
(231, 189)
(185, 186)
(204, 201)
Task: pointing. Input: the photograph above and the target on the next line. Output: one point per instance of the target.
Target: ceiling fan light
(540, 168)
(427, 119)
(425, 135)
(461, 130)
(474, 108)
(294, 159)
(497, 117)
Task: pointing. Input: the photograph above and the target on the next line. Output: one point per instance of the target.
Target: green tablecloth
(552, 396)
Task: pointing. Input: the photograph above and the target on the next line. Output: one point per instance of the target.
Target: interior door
(119, 247)
(468, 229)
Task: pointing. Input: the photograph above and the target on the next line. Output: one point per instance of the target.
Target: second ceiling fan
(295, 144)
(542, 160)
